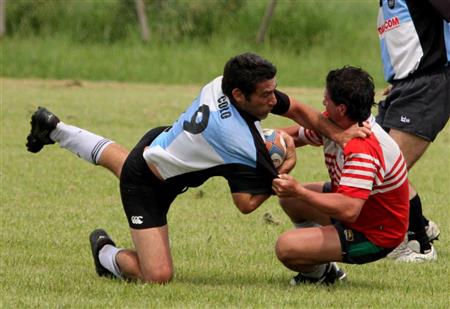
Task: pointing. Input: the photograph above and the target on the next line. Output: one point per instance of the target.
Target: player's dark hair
(244, 72)
(354, 88)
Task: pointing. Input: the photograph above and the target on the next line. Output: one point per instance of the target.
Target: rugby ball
(276, 146)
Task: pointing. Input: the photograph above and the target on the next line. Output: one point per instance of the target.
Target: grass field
(189, 40)
(50, 202)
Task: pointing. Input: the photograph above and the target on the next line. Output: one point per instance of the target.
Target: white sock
(84, 144)
(304, 224)
(107, 257)
(318, 272)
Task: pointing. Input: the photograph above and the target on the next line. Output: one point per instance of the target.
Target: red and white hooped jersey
(372, 169)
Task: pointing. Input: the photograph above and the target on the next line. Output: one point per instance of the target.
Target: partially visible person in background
(415, 50)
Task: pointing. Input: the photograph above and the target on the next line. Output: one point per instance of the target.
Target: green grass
(190, 40)
(50, 201)
(185, 62)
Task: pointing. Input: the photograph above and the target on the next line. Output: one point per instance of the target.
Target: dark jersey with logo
(414, 38)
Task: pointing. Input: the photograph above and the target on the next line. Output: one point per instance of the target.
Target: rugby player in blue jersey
(415, 49)
(220, 134)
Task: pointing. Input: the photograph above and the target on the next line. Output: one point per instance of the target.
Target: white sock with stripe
(107, 256)
(84, 144)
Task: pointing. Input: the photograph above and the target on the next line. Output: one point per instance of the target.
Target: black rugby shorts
(145, 198)
(356, 248)
(419, 105)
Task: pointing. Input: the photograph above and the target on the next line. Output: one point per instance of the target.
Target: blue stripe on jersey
(233, 146)
(447, 39)
(166, 138)
(401, 12)
(218, 135)
(388, 69)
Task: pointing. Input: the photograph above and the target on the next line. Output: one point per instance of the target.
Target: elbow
(246, 211)
(350, 216)
(246, 208)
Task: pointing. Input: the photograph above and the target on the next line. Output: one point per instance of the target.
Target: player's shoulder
(357, 144)
(368, 142)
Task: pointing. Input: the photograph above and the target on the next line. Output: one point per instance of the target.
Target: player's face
(332, 109)
(262, 100)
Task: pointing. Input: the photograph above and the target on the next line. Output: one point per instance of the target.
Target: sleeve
(249, 180)
(354, 192)
(283, 103)
(359, 170)
(310, 137)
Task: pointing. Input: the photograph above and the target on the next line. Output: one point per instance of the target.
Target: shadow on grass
(281, 281)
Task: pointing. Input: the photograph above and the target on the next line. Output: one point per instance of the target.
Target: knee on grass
(161, 276)
(287, 249)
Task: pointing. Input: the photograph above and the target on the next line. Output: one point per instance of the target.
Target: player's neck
(343, 123)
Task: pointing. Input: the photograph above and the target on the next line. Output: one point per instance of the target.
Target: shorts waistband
(428, 72)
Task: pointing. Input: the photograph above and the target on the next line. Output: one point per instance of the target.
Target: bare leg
(412, 146)
(301, 249)
(113, 157)
(152, 261)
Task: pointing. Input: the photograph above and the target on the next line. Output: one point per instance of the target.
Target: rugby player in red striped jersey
(361, 214)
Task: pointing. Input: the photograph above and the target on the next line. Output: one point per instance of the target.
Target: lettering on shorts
(405, 119)
(136, 220)
(349, 235)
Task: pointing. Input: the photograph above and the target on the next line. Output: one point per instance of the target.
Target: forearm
(331, 204)
(309, 118)
(293, 132)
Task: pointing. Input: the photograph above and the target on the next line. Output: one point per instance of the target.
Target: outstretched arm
(309, 118)
(292, 131)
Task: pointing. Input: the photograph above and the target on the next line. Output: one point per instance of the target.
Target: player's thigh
(412, 146)
(312, 245)
(153, 251)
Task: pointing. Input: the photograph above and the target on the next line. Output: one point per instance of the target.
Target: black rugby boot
(332, 273)
(42, 123)
(98, 239)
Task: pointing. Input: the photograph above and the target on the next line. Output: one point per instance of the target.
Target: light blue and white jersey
(412, 38)
(210, 133)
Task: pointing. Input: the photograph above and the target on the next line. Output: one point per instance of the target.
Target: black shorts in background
(418, 105)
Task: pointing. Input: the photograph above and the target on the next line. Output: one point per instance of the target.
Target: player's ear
(342, 108)
(238, 96)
